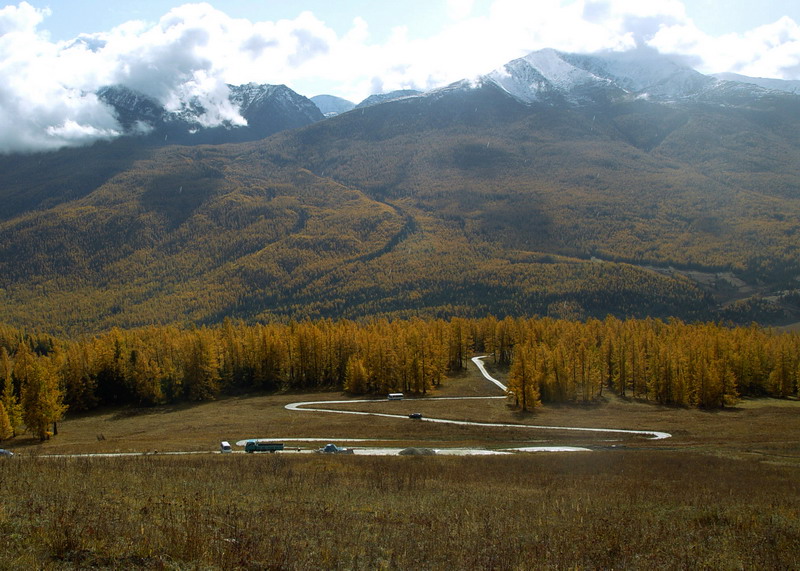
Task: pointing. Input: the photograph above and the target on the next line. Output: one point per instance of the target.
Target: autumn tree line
(674, 363)
(548, 361)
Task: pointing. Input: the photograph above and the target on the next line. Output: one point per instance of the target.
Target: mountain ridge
(546, 76)
(552, 76)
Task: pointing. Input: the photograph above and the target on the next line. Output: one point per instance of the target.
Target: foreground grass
(616, 509)
(720, 494)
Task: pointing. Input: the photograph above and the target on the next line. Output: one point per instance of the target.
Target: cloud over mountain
(47, 88)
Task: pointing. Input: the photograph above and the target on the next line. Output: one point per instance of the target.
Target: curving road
(479, 363)
(302, 406)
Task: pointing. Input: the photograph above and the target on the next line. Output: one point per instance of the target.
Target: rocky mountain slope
(257, 111)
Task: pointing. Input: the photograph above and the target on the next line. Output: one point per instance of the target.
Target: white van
(224, 447)
(395, 396)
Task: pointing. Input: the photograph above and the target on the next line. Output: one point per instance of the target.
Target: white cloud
(195, 50)
(459, 9)
(40, 106)
(772, 50)
(20, 19)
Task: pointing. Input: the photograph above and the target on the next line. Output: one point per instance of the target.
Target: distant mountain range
(561, 184)
(546, 76)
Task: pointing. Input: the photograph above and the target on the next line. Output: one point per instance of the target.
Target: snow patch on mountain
(386, 97)
(549, 76)
(540, 76)
(643, 70)
(787, 85)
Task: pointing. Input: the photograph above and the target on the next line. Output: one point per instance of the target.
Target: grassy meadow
(721, 493)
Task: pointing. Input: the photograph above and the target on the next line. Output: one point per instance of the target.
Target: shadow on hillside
(45, 180)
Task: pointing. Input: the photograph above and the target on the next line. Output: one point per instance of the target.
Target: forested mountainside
(466, 201)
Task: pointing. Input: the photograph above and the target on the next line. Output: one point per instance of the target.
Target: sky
(54, 54)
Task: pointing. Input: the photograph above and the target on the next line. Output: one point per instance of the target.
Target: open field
(720, 494)
(763, 429)
(641, 509)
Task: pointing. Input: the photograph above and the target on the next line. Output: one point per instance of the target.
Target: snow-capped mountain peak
(558, 70)
(541, 76)
(548, 75)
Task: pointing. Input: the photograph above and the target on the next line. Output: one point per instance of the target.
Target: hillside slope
(464, 201)
(694, 186)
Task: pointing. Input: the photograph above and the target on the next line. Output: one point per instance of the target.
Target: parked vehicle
(333, 449)
(256, 446)
(225, 447)
(416, 415)
(395, 396)
(4, 452)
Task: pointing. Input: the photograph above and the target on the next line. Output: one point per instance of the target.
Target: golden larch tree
(42, 398)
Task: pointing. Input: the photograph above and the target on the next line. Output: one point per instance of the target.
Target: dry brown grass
(721, 494)
(622, 509)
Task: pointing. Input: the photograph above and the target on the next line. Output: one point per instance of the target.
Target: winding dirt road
(323, 407)
(313, 406)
